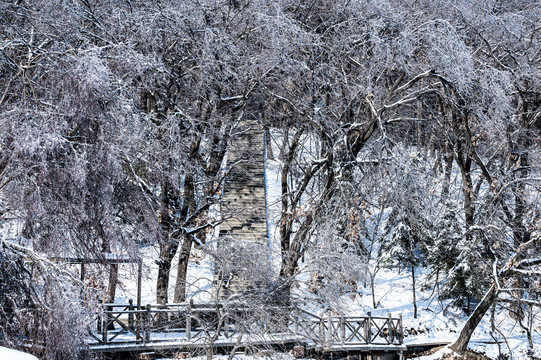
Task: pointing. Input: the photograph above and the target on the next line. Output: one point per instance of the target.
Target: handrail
(310, 314)
(188, 320)
(194, 322)
(336, 330)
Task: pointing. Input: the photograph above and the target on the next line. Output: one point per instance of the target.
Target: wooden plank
(390, 328)
(342, 330)
(125, 328)
(366, 348)
(367, 331)
(183, 344)
(427, 344)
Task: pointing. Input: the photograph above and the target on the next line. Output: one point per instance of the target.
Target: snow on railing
(329, 330)
(128, 324)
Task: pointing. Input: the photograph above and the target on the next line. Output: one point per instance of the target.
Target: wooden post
(298, 352)
(390, 325)
(147, 325)
(139, 275)
(329, 324)
(367, 328)
(104, 326)
(139, 324)
(82, 272)
(321, 331)
(130, 314)
(400, 330)
(342, 330)
(146, 356)
(189, 321)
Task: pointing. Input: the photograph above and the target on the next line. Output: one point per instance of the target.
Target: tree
(360, 87)
(65, 136)
(481, 113)
(520, 262)
(41, 309)
(408, 231)
(410, 127)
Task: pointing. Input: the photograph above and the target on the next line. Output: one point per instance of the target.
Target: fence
(329, 331)
(128, 324)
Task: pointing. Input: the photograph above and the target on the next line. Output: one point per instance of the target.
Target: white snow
(10, 354)
(437, 321)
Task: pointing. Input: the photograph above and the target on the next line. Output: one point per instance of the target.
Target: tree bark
(111, 287)
(522, 164)
(189, 207)
(464, 161)
(413, 289)
(212, 187)
(167, 254)
(111, 291)
(182, 270)
(268, 145)
(448, 159)
(461, 343)
(171, 209)
(168, 246)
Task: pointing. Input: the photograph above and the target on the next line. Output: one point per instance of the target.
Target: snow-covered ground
(10, 354)
(437, 321)
(200, 277)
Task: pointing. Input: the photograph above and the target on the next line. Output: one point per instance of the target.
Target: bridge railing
(129, 324)
(330, 330)
(126, 323)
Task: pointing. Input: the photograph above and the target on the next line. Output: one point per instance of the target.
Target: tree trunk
(373, 289)
(467, 189)
(167, 254)
(268, 145)
(188, 208)
(520, 231)
(461, 343)
(182, 270)
(413, 288)
(522, 165)
(111, 292)
(210, 351)
(168, 247)
(111, 287)
(448, 159)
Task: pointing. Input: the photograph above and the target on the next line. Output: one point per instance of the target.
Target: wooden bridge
(188, 327)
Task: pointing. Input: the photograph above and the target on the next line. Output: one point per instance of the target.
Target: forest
(402, 137)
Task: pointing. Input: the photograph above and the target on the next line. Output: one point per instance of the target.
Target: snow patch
(10, 354)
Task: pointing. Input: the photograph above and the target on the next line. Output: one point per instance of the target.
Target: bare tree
(42, 309)
(116, 119)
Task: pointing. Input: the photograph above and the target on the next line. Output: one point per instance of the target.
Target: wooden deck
(188, 345)
(185, 327)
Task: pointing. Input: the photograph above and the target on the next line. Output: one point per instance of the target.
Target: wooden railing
(125, 323)
(330, 331)
(128, 324)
